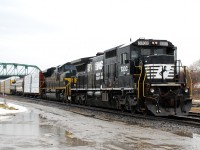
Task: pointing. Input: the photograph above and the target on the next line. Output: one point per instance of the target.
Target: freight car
(32, 84)
(29, 85)
(19, 84)
(7, 87)
(143, 76)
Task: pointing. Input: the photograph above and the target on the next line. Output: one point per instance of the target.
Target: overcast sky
(48, 33)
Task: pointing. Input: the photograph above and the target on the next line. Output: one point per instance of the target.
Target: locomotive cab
(58, 82)
(165, 84)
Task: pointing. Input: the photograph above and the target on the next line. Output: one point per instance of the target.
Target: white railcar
(32, 83)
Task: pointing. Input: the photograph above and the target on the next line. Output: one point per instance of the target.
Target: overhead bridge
(13, 69)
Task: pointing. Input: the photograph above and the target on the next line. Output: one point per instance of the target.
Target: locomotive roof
(126, 44)
(150, 42)
(68, 63)
(113, 48)
(136, 43)
(49, 69)
(81, 60)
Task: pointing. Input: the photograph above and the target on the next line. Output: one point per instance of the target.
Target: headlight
(151, 90)
(186, 90)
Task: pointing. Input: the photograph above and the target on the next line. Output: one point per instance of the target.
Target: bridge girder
(13, 69)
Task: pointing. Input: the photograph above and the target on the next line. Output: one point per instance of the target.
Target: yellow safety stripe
(139, 81)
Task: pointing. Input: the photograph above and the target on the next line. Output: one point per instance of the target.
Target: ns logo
(124, 68)
(164, 72)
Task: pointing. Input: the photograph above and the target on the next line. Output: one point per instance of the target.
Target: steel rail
(179, 120)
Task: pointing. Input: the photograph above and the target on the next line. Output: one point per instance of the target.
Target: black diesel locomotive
(143, 76)
(57, 83)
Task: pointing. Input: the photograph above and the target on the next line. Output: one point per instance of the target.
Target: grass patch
(4, 106)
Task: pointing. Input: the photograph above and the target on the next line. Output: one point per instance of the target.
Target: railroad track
(192, 120)
(196, 105)
(193, 114)
(186, 120)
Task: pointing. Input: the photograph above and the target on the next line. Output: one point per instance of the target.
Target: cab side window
(134, 54)
(124, 57)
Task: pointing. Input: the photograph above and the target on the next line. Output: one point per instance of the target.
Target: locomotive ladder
(137, 76)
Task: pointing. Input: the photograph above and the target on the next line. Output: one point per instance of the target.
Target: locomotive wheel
(83, 99)
(65, 100)
(58, 95)
(127, 105)
(145, 111)
(131, 104)
(133, 109)
(123, 108)
(78, 100)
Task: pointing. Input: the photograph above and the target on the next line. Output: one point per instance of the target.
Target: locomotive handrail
(143, 88)
(190, 80)
(143, 83)
(140, 67)
(186, 71)
(68, 86)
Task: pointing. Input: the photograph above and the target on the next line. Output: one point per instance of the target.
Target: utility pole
(4, 99)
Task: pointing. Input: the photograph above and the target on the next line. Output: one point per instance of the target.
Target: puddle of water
(31, 129)
(195, 144)
(28, 126)
(19, 129)
(25, 124)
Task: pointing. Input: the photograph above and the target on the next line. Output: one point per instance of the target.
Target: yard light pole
(4, 98)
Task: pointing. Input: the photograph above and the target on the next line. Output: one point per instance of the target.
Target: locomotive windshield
(153, 54)
(150, 51)
(70, 70)
(156, 51)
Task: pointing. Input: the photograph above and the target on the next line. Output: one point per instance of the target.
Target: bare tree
(195, 75)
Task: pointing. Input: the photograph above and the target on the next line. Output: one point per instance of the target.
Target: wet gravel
(182, 130)
(178, 129)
